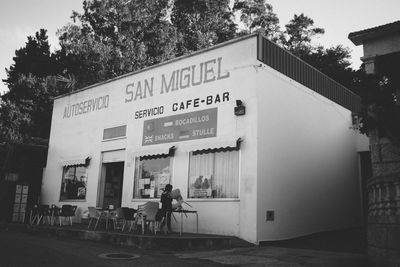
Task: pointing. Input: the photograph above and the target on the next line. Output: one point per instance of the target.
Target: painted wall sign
(86, 106)
(182, 127)
(198, 102)
(189, 76)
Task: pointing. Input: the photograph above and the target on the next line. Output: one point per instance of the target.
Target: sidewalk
(280, 257)
(220, 250)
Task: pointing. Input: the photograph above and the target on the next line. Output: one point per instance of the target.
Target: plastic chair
(95, 214)
(146, 214)
(67, 211)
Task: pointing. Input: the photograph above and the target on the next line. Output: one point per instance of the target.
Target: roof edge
(359, 37)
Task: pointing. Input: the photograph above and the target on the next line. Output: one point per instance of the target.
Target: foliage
(381, 105)
(202, 23)
(28, 117)
(300, 32)
(115, 37)
(258, 16)
(15, 120)
(35, 58)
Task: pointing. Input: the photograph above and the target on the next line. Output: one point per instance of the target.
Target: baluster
(380, 207)
(387, 200)
(397, 197)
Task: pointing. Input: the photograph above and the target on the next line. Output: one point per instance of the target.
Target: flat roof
(359, 37)
(279, 59)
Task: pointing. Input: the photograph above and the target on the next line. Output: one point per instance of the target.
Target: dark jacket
(166, 201)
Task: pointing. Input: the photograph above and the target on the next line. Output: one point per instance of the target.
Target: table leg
(181, 223)
(197, 222)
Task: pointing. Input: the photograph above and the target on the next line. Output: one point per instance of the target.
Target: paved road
(26, 249)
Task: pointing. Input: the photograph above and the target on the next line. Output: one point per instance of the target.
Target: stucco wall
(307, 161)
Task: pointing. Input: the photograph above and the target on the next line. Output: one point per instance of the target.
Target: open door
(110, 192)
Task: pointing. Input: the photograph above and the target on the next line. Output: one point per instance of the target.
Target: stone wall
(384, 201)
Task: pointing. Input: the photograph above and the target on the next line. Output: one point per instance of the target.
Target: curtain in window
(221, 171)
(226, 174)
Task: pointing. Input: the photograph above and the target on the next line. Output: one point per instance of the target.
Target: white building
(287, 152)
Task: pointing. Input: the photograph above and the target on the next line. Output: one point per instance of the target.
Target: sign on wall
(182, 127)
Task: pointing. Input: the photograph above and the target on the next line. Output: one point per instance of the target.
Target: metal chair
(55, 212)
(40, 212)
(67, 211)
(129, 215)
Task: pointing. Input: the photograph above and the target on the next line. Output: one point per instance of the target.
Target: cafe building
(259, 143)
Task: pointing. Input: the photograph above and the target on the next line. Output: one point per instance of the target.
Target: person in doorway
(166, 208)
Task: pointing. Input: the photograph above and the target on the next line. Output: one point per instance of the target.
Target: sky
(22, 18)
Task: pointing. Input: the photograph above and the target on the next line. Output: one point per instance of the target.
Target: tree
(202, 23)
(299, 34)
(15, 120)
(115, 37)
(36, 59)
(258, 16)
(26, 118)
(25, 110)
(381, 105)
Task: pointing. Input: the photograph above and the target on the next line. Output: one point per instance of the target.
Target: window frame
(138, 161)
(65, 197)
(214, 151)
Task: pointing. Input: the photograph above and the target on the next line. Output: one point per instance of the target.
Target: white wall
(81, 136)
(307, 161)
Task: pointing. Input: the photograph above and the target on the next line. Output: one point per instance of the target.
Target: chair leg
(39, 219)
(133, 223)
(96, 223)
(89, 223)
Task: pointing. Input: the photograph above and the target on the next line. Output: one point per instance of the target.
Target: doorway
(110, 193)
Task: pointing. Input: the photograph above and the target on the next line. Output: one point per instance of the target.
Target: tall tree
(258, 16)
(15, 121)
(299, 33)
(25, 118)
(36, 59)
(202, 23)
(115, 37)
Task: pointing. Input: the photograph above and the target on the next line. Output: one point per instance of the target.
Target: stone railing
(384, 196)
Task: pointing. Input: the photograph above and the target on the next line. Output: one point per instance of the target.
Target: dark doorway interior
(114, 173)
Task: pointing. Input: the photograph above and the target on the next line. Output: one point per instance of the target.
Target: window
(214, 174)
(114, 132)
(73, 184)
(151, 175)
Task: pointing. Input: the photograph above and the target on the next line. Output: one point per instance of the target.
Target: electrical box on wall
(270, 216)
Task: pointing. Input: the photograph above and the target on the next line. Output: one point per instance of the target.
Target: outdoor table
(185, 212)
